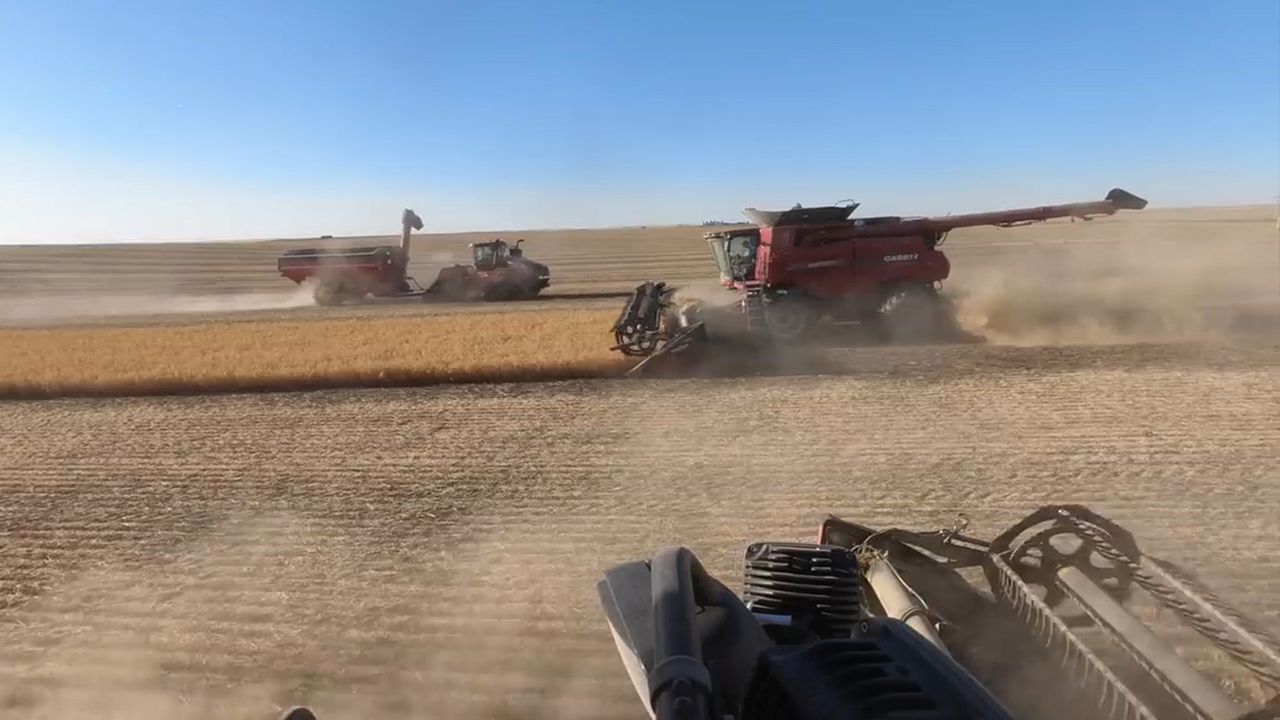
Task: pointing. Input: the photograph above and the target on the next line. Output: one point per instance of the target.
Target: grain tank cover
(797, 215)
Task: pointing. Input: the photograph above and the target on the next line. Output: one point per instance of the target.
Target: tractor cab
(735, 254)
(495, 253)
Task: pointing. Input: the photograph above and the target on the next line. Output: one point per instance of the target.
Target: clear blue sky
(147, 120)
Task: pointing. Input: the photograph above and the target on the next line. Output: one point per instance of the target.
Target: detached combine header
(800, 267)
(499, 271)
(1073, 621)
(1060, 617)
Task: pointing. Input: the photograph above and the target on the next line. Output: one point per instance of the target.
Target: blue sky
(148, 120)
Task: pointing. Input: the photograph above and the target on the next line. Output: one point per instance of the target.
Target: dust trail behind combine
(35, 311)
(1140, 285)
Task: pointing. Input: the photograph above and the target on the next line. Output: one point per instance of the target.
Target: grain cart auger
(651, 326)
(1074, 621)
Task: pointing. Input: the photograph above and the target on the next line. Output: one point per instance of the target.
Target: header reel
(651, 327)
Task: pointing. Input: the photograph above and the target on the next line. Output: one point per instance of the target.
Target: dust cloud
(1126, 283)
(1139, 288)
(273, 610)
(709, 293)
(34, 311)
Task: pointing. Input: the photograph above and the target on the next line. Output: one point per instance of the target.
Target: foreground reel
(1046, 542)
(1069, 552)
(1092, 604)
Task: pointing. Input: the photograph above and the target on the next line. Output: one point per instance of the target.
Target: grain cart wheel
(503, 290)
(328, 293)
(789, 317)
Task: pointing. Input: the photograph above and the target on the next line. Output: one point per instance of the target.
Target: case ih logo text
(904, 257)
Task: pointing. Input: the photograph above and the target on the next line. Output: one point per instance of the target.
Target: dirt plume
(35, 311)
(1139, 288)
(705, 292)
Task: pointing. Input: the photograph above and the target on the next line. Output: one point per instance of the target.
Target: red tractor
(801, 266)
(500, 272)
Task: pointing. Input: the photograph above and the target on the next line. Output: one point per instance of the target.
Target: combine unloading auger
(870, 623)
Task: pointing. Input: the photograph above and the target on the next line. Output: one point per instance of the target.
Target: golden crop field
(281, 355)
(431, 552)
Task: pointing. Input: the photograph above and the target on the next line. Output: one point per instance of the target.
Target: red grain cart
(344, 274)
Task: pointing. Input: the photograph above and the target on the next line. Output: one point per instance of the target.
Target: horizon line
(583, 228)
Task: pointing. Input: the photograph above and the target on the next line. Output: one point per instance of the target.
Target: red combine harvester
(500, 272)
(801, 266)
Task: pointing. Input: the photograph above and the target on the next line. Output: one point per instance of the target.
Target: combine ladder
(753, 304)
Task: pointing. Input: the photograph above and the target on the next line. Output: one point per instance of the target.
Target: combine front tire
(789, 318)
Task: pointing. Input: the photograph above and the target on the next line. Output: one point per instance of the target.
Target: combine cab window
(721, 256)
(742, 256)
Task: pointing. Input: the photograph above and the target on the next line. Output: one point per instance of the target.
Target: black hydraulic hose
(679, 685)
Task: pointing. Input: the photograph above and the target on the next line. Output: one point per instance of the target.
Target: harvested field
(283, 355)
(431, 553)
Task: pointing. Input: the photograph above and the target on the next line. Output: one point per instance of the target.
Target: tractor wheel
(503, 291)
(451, 289)
(789, 318)
(915, 315)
